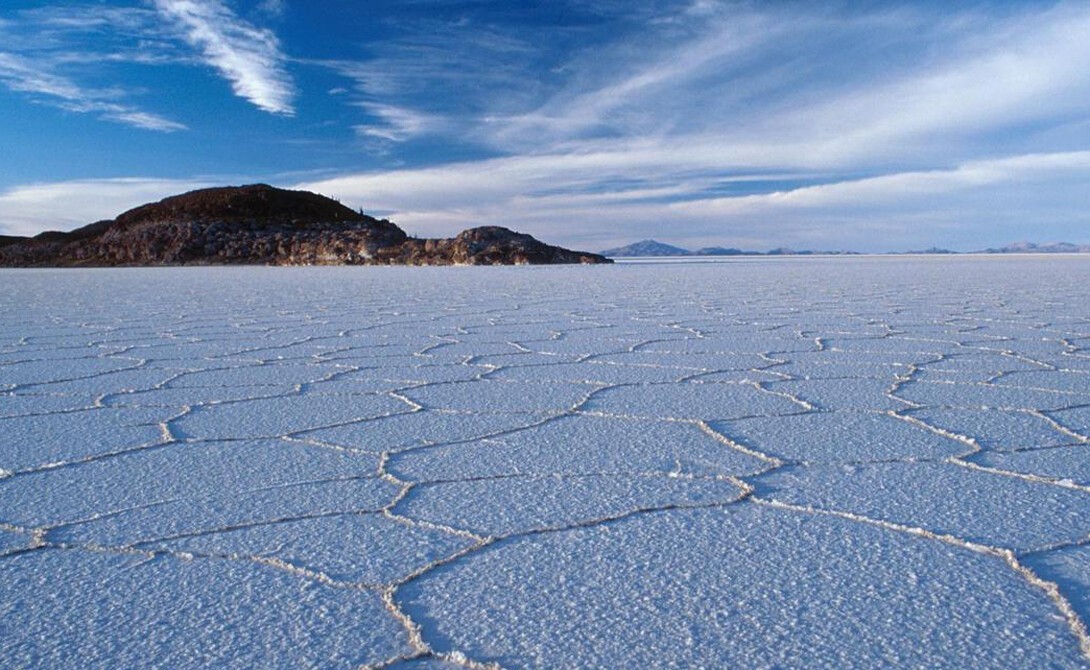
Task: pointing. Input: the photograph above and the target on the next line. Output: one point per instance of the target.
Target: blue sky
(861, 125)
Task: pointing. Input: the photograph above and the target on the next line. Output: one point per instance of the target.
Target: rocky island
(263, 225)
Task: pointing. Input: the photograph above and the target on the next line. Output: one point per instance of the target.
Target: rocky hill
(262, 225)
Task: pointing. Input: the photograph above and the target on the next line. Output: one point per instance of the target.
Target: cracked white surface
(76, 609)
(748, 587)
(839, 437)
(283, 415)
(1066, 464)
(998, 430)
(364, 548)
(1069, 566)
(801, 463)
(573, 444)
(12, 542)
(978, 506)
(509, 505)
(43, 440)
(1075, 420)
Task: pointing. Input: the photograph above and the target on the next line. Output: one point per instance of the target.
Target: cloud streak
(23, 75)
(915, 208)
(890, 189)
(672, 127)
(247, 56)
(397, 124)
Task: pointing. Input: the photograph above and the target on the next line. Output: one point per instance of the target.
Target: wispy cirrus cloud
(273, 8)
(481, 70)
(247, 56)
(397, 124)
(91, 34)
(873, 88)
(26, 76)
(888, 189)
(50, 51)
(977, 200)
(670, 127)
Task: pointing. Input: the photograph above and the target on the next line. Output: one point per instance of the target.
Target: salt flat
(819, 462)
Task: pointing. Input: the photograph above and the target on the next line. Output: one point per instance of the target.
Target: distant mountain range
(654, 248)
(647, 248)
(1032, 248)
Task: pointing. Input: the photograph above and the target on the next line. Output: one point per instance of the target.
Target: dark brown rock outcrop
(487, 245)
(262, 225)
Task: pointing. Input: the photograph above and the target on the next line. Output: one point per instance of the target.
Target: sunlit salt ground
(820, 463)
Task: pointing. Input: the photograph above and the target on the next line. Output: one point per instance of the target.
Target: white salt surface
(65, 609)
(12, 542)
(841, 463)
(743, 587)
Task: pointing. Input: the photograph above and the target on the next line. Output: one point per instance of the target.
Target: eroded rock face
(263, 225)
(487, 245)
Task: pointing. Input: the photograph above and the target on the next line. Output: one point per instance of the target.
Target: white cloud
(570, 199)
(23, 75)
(138, 119)
(19, 74)
(645, 131)
(273, 8)
(891, 189)
(247, 56)
(398, 124)
(636, 89)
(772, 87)
(1027, 70)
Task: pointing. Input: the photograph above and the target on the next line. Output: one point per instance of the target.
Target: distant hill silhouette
(932, 251)
(654, 248)
(259, 224)
(721, 251)
(647, 248)
(1047, 248)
